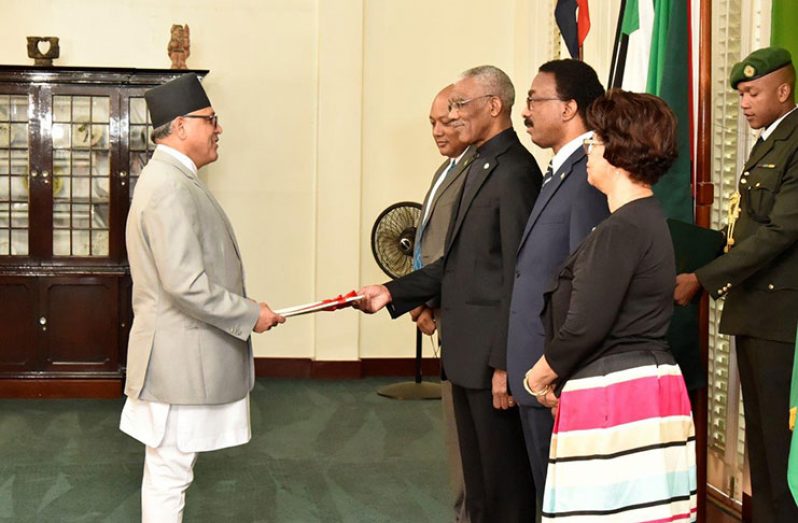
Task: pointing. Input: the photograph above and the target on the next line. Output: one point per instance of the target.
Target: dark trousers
(495, 464)
(537, 424)
(765, 372)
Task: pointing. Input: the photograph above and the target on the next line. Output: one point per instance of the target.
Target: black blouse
(614, 293)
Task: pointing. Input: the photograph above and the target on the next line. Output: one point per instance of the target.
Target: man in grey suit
(190, 365)
(436, 215)
(565, 212)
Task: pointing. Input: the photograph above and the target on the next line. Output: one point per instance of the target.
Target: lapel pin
(486, 166)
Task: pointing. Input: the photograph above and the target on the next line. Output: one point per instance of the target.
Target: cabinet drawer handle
(34, 174)
(42, 321)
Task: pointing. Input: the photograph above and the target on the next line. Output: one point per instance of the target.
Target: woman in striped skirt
(623, 445)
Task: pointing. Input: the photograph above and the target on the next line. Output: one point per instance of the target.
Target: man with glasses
(190, 366)
(473, 280)
(436, 214)
(567, 209)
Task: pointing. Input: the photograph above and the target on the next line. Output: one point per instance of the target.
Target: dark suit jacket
(473, 278)
(562, 216)
(759, 276)
(440, 207)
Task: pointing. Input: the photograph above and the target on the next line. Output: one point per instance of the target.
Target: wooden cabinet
(73, 142)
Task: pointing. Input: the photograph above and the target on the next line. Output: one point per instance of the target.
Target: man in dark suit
(436, 216)
(758, 275)
(473, 280)
(567, 209)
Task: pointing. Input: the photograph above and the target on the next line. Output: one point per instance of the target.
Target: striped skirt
(623, 445)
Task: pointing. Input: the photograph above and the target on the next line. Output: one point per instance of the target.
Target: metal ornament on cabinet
(43, 59)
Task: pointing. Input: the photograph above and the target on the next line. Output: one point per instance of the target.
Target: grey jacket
(189, 342)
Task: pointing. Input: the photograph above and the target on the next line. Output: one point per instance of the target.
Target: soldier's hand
(687, 285)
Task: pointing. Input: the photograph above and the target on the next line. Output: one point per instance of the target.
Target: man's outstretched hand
(375, 297)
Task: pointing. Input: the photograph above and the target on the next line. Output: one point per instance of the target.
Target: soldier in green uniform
(758, 275)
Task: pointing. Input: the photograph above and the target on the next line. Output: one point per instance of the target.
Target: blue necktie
(417, 263)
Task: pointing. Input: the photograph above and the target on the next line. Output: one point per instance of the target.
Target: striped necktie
(549, 173)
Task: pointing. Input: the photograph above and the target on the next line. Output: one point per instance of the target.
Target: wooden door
(79, 316)
(19, 335)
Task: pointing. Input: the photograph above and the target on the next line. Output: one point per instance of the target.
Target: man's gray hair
(495, 81)
(161, 132)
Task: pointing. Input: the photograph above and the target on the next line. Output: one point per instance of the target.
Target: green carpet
(326, 451)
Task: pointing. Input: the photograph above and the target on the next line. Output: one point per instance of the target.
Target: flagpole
(618, 52)
(703, 190)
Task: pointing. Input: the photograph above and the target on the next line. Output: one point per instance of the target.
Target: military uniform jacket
(759, 276)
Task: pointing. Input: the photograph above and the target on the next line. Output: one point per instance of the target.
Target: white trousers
(168, 472)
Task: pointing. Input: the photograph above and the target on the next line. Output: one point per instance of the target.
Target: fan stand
(413, 390)
(392, 239)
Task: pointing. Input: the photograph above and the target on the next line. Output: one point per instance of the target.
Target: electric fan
(392, 239)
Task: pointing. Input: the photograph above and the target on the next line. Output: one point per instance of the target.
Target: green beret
(758, 64)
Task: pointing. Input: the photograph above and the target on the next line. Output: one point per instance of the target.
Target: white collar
(182, 158)
(567, 150)
(772, 127)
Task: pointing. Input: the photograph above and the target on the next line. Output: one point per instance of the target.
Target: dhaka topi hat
(175, 98)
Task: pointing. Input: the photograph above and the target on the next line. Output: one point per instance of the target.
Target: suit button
(771, 286)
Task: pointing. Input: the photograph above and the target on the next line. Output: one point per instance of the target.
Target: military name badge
(749, 71)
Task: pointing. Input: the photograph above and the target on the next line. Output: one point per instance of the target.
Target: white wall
(324, 106)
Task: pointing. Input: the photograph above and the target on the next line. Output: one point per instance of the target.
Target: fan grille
(393, 238)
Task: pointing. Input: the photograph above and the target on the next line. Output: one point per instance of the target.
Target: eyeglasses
(533, 100)
(459, 104)
(588, 144)
(212, 118)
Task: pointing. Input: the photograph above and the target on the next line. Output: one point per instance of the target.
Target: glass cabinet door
(14, 172)
(140, 146)
(81, 175)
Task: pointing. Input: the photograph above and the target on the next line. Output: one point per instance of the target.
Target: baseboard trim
(61, 388)
(301, 368)
(366, 367)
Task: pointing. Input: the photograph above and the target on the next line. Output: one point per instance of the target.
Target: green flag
(792, 464)
(668, 78)
(783, 21)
